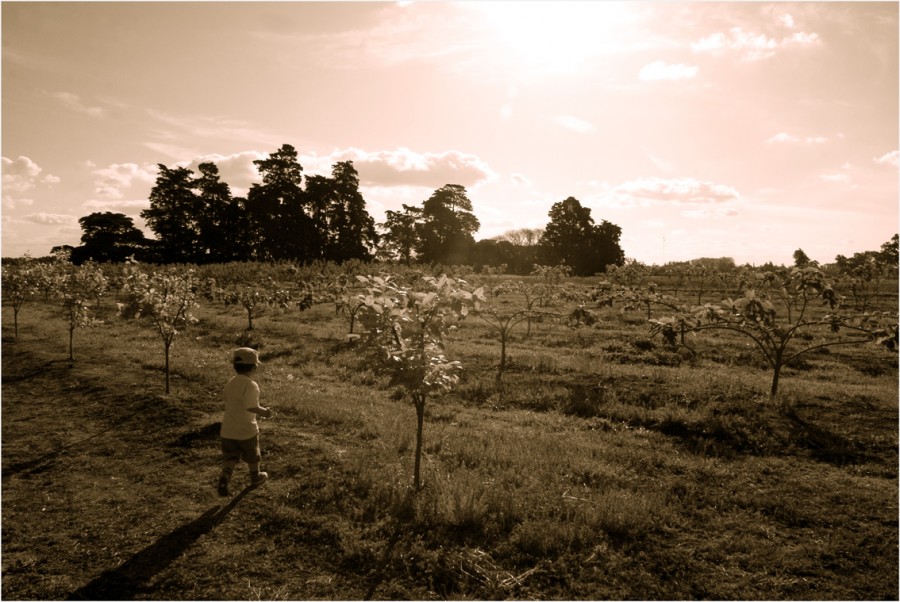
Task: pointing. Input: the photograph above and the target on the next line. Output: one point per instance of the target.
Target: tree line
(292, 216)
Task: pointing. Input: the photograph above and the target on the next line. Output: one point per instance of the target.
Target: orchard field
(596, 444)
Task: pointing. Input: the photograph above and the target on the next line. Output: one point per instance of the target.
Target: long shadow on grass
(129, 579)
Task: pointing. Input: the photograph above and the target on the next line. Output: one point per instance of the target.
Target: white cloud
(783, 137)
(750, 46)
(803, 38)
(660, 70)
(715, 213)
(51, 219)
(237, 170)
(405, 167)
(891, 158)
(111, 181)
(645, 191)
(786, 20)
(23, 174)
(574, 123)
(840, 178)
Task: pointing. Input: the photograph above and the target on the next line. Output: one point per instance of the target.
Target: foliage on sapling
(20, 283)
(775, 311)
(76, 287)
(164, 298)
(406, 330)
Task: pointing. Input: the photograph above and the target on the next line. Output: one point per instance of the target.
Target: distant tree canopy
(197, 220)
(801, 259)
(292, 216)
(573, 239)
(108, 237)
(448, 226)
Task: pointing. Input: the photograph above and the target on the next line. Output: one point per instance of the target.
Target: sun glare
(555, 37)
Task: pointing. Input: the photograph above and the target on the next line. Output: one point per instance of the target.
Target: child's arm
(261, 411)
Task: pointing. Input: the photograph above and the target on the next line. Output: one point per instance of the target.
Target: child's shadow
(129, 579)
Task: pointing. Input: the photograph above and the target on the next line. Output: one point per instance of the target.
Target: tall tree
(108, 237)
(801, 259)
(889, 251)
(216, 219)
(174, 215)
(573, 239)
(401, 234)
(280, 226)
(339, 213)
(448, 226)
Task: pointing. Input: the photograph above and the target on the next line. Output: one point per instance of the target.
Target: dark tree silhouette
(572, 238)
(216, 218)
(401, 233)
(108, 237)
(339, 213)
(280, 227)
(448, 226)
(174, 216)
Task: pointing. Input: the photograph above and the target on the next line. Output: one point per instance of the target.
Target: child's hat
(245, 356)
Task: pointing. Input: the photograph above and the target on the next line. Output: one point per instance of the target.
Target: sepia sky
(745, 130)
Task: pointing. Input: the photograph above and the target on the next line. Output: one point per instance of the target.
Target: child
(240, 431)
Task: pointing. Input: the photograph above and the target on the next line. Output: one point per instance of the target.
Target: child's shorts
(246, 450)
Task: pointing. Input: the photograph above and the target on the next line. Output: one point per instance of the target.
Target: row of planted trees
(407, 316)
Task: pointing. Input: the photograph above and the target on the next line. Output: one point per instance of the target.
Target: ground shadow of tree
(129, 579)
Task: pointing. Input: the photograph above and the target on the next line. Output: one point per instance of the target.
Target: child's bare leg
(225, 475)
(257, 477)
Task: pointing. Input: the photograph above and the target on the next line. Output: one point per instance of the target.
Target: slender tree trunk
(502, 369)
(167, 345)
(71, 343)
(775, 377)
(419, 400)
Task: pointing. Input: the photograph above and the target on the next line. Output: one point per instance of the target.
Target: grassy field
(603, 466)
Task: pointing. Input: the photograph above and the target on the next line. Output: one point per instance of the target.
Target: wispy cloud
(785, 138)
(51, 219)
(891, 158)
(126, 206)
(74, 102)
(838, 178)
(405, 167)
(645, 191)
(659, 70)
(751, 46)
(170, 130)
(574, 123)
(719, 212)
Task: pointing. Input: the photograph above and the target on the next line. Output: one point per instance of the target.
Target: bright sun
(555, 37)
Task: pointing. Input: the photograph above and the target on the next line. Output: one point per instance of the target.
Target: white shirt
(241, 393)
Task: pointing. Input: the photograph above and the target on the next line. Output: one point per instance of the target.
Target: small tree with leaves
(19, 285)
(165, 299)
(76, 287)
(406, 330)
(776, 311)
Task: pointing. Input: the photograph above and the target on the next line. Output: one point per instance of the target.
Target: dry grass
(603, 467)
